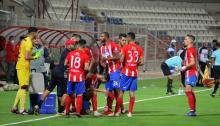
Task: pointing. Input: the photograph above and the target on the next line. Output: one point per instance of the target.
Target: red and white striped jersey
(76, 62)
(110, 49)
(190, 53)
(132, 53)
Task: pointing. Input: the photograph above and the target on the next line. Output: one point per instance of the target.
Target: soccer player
(216, 61)
(92, 82)
(132, 56)
(168, 67)
(71, 100)
(77, 62)
(23, 69)
(122, 39)
(190, 73)
(122, 42)
(110, 59)
(57, 79)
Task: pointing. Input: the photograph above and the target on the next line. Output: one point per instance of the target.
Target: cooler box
(49, 105)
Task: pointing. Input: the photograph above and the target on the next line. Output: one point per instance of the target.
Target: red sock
(131, 104)
(118, 104)
(68, 101)
(73, 103)
(78, 104)
(191, 100)
(194, 96)
(110, 100)
(94, 102)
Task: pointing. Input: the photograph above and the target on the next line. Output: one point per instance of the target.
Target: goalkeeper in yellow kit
(23, 70)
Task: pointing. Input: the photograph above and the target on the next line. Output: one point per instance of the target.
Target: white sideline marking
(44, 118)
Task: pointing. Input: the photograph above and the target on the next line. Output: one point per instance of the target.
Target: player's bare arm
(66, 63)
(86, 66)
(141, 61)
(28, 55)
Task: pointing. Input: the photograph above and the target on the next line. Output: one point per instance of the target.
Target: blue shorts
(113, 83)
(76, 87)
(86, 104)
(191, 80)
(128, 83)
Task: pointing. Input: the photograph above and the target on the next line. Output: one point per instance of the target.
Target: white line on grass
(44, 118)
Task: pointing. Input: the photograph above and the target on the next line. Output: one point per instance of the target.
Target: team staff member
(57, 79)
(168, 67)
(23, 69)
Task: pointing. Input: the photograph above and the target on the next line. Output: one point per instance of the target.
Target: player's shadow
(152, 113)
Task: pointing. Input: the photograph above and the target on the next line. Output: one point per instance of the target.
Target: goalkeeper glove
(38, 54)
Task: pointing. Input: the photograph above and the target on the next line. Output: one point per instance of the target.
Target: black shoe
(30, 112)
(191, 114)
(212, 95)
(67, 115)
(170, 93)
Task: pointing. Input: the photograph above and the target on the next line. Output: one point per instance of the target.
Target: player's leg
(169, 84)
(119, 103)
(70, 95)
(125, 83)
(79, 90)
(166, 71)
(86, 104)
(110, 98)
(217, 78)
(216, 86)
(18, 95)
(133, 88)
(24, 90)
(94, 104)
(62, 84)
(49, 89)
(17, 98)
(190, 83)
(123, 110)
(24, 79)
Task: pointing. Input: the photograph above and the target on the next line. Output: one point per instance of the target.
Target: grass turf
(167, 111)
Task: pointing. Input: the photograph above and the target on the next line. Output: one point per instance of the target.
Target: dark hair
(122, 35)
(22, 37)
(32, 29)
(131, 35)
(214, 41)
(77, 36)
(191, 37)
(218, 44)
(81, 42)
(10, 37)
(106, 34)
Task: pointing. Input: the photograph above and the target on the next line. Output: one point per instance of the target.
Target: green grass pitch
(152, 109)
